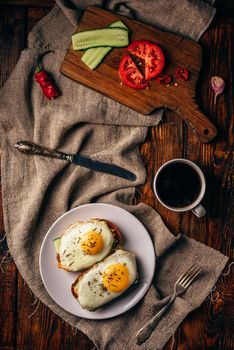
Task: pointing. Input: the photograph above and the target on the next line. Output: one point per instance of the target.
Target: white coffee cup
(195, 206)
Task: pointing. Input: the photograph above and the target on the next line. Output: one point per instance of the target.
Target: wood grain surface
(178, 96)
(209, 326)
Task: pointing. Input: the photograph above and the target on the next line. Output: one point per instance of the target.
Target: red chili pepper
(163, 78)
(182, 73)
(46, 83)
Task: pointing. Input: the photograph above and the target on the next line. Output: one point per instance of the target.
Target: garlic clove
(218, 85)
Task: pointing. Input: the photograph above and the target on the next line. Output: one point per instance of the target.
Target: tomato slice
(152, 55)
(117, 233)
(130, 74)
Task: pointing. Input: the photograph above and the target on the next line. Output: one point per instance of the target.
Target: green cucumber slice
(114, 37)
(94, 56)
(118, 24)
(57, 243)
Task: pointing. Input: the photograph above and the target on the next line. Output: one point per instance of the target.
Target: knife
(31, 148)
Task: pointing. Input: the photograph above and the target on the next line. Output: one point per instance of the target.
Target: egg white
(72, 257)
(89, 288)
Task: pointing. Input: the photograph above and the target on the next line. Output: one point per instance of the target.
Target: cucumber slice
(57, 243)
(114, 37)
(94, 56)
(118, 24)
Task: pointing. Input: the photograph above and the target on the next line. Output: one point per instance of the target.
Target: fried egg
(83, 244)
(106, 280)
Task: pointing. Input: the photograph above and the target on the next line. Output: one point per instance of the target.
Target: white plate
(136, 239)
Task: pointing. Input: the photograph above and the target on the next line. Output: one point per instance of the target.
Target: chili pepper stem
(38, 67)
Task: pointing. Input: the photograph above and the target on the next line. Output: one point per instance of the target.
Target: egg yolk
(115, 278)
(91, 243)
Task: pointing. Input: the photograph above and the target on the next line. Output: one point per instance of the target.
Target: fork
(181, 285)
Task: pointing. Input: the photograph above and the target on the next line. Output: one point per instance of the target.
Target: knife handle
(27, 147)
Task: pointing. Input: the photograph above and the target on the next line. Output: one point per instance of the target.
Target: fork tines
(189, 275)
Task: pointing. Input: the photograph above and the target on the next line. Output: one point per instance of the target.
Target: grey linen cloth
(36, 190)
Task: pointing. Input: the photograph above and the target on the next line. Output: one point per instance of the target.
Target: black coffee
(178, 185)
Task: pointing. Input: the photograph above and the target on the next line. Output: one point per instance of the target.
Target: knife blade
(27, 147)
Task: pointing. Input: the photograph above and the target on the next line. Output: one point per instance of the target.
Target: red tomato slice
(130, 74)
(116, 231)
(152, 55)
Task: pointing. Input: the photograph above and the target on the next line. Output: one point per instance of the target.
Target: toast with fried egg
(106, 280)
(85, 243)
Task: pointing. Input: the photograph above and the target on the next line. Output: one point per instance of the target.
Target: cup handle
(199, 211)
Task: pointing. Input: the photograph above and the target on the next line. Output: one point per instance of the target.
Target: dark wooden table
(208, 327)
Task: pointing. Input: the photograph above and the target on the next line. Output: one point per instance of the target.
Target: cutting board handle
(197, 121)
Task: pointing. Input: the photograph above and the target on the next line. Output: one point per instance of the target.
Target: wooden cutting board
(179, 52)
